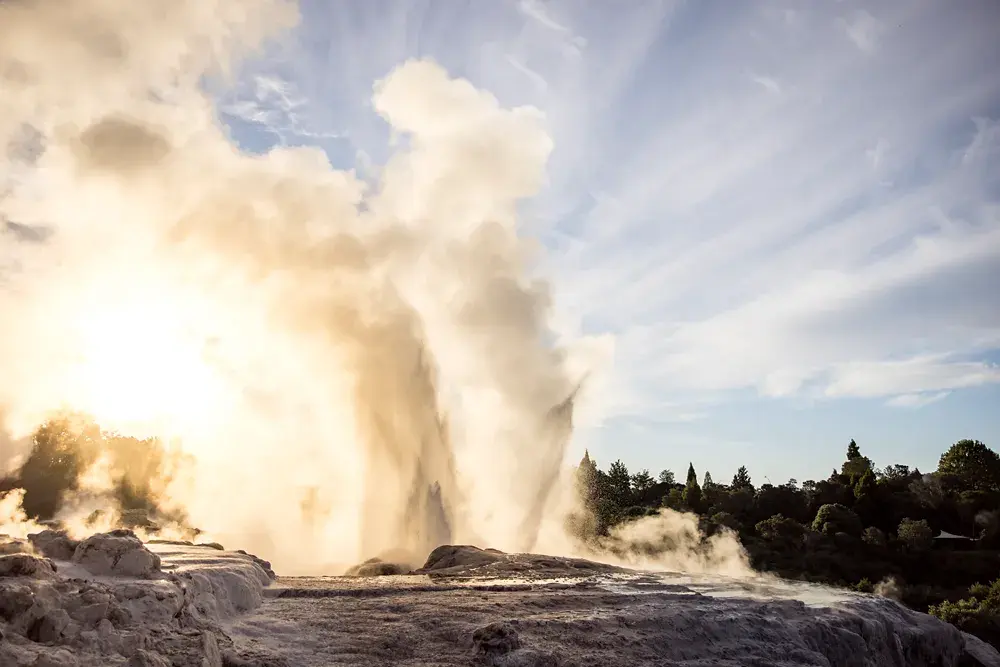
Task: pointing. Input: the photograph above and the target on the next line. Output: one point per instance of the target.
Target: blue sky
(771, 226)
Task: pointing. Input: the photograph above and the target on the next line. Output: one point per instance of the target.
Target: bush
(874, 537)
(915, 535)
(978, 614)
(864, 586)
(727, 520)
(836, 518)
(778, 527)
(634, 512)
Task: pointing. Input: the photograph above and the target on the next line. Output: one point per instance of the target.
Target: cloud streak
(761, 199)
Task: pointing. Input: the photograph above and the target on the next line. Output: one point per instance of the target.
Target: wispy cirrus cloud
(917, 400)
(764, 197)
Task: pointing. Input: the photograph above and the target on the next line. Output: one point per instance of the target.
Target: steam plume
(347, 370)
(352, 370)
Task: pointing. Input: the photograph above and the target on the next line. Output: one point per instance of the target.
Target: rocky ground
(110, 600)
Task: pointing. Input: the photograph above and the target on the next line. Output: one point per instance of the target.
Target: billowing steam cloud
(352, 370)
(346, 370)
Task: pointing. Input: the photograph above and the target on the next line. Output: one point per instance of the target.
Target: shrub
(726, 519)
(778, 527)
(915, 535)
(836, 518)
(978, 614)
(874, 537)
(864, 586)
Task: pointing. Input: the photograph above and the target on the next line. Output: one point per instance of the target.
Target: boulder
(14, 545)
(119, 552)
(55, 544)
(26, 565)
(265, 565)
(50, 627)
(376, 567)
(15, 600)
(455, 557)
(495, 639)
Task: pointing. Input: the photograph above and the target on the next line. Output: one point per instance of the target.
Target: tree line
(936, 535)
(860, 526)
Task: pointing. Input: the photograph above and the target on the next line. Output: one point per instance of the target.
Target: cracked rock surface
(183, 605)
(110, 600)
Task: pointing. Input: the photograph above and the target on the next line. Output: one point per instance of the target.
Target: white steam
(303, 347)
(351, 370)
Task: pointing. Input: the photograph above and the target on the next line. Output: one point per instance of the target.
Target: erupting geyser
(350, 368)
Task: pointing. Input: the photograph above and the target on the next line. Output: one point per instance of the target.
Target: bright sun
(142, 368)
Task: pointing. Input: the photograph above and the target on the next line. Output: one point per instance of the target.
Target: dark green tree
(692, 492)
(62, 449)
(975, 464)
(896, 471)
(666, 477)
(587, 481)
(856, 465)
(853, 451)
(874, 537)
(620, 484)
(738, 502)
(836, 518)
(785, 500)
(781, 528)
(866, 487)
(692, 498)
(599, 511)
(741, 480)
(674, 500)
(978, 614)
(707, 483)
(692, 476)
(642, 481)
(915, 535)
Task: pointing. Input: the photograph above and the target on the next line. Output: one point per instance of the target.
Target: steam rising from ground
(351, 370)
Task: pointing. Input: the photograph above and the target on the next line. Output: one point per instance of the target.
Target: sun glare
(142, 368)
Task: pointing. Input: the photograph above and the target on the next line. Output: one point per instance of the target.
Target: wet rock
(451, 556)
(376, 567)
(977, 653)
(969, 660)
(25, 565)
(119, 552)
(495, 639)
(179, 543)
(265, 565)
(54, 544)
